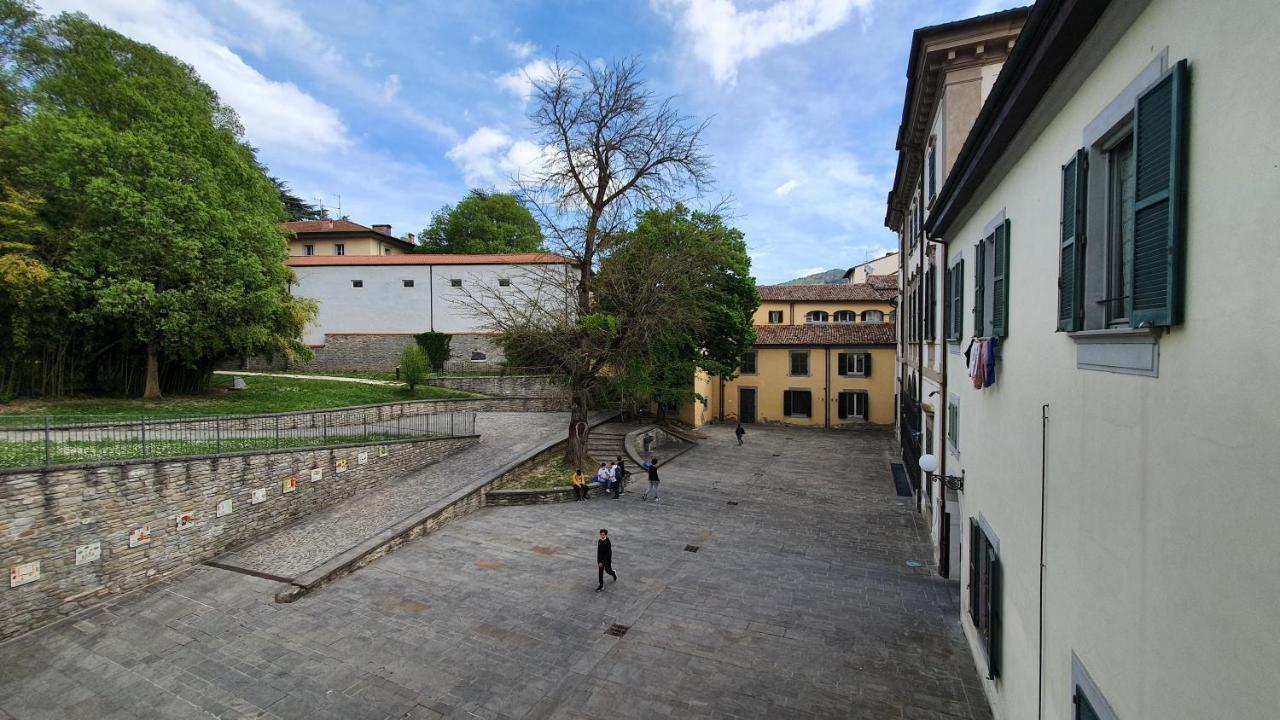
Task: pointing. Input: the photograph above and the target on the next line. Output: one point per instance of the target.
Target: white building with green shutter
(1110, 220)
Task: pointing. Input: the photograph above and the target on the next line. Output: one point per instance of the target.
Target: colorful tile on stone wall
(139, 536)
(362, 458)
(340, 465)
(185, 520)
(383, 451)
(259, 495)
(224, 508)
(316, 474)
(24, 573)
(88, 553)
(289, 484)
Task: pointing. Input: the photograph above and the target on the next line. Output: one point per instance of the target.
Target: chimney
(411, 238)
(384, 229)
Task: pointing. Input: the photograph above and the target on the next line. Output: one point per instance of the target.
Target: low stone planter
(539, 496)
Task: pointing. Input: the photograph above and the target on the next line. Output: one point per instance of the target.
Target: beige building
(950, 72)
(881, 266)
(1108, 220)
(807, 304)
(343, 237)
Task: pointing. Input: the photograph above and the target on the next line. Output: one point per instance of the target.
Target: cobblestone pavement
(305, 544)
(798, 604)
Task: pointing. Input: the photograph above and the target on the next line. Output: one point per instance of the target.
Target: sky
(394, 108)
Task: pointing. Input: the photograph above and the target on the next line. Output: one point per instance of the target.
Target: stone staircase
(606, 442)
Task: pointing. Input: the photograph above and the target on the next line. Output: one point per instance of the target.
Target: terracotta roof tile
(884, 282)
(827, 334)
(310, 226)
(424, 259)
(827, 293)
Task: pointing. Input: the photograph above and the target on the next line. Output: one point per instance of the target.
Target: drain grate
(692, 548)
(733, 502)
(617, 630)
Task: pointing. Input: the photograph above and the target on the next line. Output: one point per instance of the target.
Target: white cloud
(520, 82)
(273, 112)
(785, 188)
(522, 50)
(723, 37)
(491, 157)
(391, 87)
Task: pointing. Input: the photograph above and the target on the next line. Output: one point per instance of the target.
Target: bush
(414, 365)
(436, 346)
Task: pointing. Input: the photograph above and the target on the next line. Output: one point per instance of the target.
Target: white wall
(1162, 574)
(385, 306)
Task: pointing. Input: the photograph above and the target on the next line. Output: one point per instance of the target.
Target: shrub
(414, 365)
(436, 346)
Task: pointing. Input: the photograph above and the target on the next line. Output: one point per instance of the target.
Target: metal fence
(34, 441)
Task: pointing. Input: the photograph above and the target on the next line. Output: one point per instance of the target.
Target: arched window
(846, 316)
(817, 316)
(872, 316)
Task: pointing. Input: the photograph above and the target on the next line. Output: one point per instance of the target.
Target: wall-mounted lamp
(929, 464)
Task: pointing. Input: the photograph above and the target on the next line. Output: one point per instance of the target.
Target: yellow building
(343, 237)
(824, 357)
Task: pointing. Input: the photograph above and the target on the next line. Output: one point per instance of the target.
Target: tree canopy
(295, 208)
(483, 222)
(147, 234)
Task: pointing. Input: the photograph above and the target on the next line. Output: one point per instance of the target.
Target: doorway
(746, 405)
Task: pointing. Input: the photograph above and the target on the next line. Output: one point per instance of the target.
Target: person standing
(652, 467)
(739, 432)
(579, 486)
(619, 475)
(604, 559)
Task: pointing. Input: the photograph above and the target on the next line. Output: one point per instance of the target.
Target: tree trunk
(152, 391)
(575, 448)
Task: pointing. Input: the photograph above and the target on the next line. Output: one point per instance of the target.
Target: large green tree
(295, 208)
(483, 222)
(163, 233)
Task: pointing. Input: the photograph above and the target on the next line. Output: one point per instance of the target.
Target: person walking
(579, 486)
(604, 559)
(619, 476)
(739, 432)
(652, 467)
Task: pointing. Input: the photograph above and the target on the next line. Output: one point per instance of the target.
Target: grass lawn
(553, 473)
(31, 453)
(264, 395)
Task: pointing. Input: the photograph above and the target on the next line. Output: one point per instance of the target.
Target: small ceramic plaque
(383, 451)
(340, 465)
(186, 520)
(289, 484)
(224, 508)
(362, 458)
(24, 573)
(140, 536)
(259, 495)
(316, 474)
(88, 553)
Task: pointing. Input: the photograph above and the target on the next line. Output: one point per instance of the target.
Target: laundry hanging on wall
(980, 357)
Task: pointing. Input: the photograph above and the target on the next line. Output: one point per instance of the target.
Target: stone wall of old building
(524, 386)
(75, 535)
(380, 352)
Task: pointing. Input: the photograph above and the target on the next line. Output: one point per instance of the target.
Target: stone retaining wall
(55, 517)
(522, 386)
(378, 352)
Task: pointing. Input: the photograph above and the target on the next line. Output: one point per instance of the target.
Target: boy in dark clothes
(604, 559)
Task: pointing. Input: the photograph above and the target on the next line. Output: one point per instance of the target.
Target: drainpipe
(920, 366)
(1044, 474)
(431, 297)
(943, 399)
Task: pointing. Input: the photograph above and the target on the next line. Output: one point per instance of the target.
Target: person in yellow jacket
(579, 486)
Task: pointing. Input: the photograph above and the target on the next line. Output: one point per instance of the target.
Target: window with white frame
(817, 316)
(853, 364)
(775, 317)
(845, 316)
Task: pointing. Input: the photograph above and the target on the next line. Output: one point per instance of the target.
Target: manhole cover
(913, 563)
(733, 502)
(617, 630)
(692, 548)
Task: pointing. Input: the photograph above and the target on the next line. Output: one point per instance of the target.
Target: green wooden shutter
(842, 362)
(1072, 239)
(975, 547)
(865, 400)
(955, 301)
(979, 301)
(786, 403)
(1000, 283)
(866, 366)
(842, 406)
(806, 402)
(994, 614)
(1160, 164)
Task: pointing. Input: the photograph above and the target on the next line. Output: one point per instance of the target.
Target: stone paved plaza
(798, 603)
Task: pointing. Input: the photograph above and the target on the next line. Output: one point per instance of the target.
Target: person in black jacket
(604, 558)
(619, 477)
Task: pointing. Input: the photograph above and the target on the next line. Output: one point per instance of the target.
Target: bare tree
(610, 149)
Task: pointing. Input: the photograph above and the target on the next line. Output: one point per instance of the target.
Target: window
(357, 283)
(800, 362)
(748, 363)
(455, 282)
(845, 316)
(1086, 697)
(933, 170)
(775, 317)
(984, 594)
(1127, 188)
(930, 304)
(339, 249)
(797, 403)
(854, 364)
(477, 356)
(817, 316)
(874, 316)
(504, 282)
(852, 404)
(990, 282)
(953, 423)
(308, 249)
(386, 250)
(954, 317)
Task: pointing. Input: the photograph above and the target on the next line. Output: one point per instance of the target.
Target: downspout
(920, 368)
(1044, 474)
(431, 297)
(722, 399)
(943, 399)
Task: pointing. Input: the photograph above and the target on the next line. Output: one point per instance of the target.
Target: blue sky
(400, 106)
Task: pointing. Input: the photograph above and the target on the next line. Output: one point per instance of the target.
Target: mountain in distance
(834, 276)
